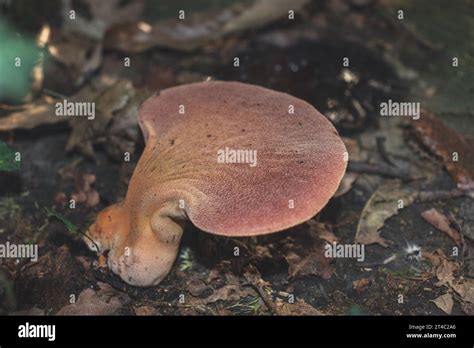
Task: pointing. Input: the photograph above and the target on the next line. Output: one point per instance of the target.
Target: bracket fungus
(234, 159)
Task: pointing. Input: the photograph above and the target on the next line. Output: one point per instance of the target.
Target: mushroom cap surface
(299, 156)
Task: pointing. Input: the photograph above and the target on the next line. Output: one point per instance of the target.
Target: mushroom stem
(146, 256)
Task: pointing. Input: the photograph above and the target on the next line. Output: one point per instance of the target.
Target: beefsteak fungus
(235, 159)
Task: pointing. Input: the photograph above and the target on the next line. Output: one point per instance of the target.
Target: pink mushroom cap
(300, 156)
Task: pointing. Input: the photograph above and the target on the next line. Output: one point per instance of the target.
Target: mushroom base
(141, 255)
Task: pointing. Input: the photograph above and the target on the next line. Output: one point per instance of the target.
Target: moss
(7, 159)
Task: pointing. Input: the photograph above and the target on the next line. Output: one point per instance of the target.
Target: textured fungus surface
(300, 157)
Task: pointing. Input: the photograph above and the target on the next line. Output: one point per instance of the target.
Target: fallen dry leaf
(444, 302)
(32, 115)
(434, 257)
(445, 272)
(360, 285)
(311, 262)
(105, 301)
(304, 251)
(444, 268)
(198, 288)
(115, 122)
(445, 142)
(300, 307)
(230, 293)
(382, 205)
(84, 132)
(214, 275)
(441, 222)
(80, 55)
(465, 289)
(144, 311)
(42, 110)
(123, 134)
(322, 231)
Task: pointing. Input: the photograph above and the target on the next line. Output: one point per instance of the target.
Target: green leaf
(69, 225)
(7, 159)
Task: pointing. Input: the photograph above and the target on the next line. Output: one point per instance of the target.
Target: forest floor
(410, 267)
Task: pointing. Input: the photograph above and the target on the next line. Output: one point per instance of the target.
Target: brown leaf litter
(299, 307)
(382, 205)
(441, 222)
(446, 143)
(115, 122)
(445, 303)
(235, 289)
(198, 288)
(443, 267)
(229, 293)
(232, 291)
(199, 29)
(461, 288)
(305, 253)
(360, 285)
(31, 115)
(75, 56)
(105, 301)
(42, 110)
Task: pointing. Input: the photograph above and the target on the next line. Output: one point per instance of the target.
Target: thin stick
(379, 169)
(264, 297)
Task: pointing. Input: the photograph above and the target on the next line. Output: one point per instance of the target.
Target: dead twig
(379, 169)
(430, 196)
(264, 297)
